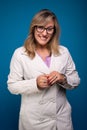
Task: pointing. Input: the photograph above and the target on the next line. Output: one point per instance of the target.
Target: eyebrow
(46, 27)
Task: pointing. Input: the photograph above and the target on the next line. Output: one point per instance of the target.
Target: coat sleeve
(16, 82)
(73, 79)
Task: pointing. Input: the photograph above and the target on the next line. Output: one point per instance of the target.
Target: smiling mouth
(43, 38)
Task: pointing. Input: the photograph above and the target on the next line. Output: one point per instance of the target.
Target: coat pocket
(47, 109)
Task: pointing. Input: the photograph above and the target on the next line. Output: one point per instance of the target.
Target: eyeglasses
(41, 29)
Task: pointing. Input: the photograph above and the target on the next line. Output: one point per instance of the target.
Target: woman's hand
(42, 81)
(56, 77)
(46, 80)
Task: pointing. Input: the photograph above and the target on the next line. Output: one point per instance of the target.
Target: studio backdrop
(15, 19)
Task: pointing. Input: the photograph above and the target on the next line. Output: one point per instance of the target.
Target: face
(44, 33)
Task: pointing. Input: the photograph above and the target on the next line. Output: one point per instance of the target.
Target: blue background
(15, 18)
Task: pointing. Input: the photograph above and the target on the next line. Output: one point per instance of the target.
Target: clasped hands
(47, 80)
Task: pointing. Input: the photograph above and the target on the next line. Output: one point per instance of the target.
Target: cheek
(50, 37)
(36, 35)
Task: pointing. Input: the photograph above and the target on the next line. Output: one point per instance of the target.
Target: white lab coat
(46, 109)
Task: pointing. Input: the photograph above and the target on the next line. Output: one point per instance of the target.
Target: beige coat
(42, 109)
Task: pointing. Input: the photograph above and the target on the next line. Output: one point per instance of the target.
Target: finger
(53, 80)
(43, 83)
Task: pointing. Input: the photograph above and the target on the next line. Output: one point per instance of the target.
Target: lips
(43, 38)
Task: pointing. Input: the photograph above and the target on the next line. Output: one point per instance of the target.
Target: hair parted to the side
(41, 19)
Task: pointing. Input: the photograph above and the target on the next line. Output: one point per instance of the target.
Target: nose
(45, 32)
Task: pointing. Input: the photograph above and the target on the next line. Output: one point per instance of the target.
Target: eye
(50, 29)
(41, 28)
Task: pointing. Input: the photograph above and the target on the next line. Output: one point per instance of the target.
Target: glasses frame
(43, 29)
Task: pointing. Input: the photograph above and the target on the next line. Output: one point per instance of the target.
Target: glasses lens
(40, 28)
(50, 30)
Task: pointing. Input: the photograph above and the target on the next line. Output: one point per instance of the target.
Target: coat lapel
(40, 64)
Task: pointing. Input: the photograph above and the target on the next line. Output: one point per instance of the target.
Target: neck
(43, 52)
(41, 47)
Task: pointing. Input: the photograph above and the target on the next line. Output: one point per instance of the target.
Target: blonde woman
(41, 71)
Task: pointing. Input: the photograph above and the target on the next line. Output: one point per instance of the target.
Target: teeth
(43, 38)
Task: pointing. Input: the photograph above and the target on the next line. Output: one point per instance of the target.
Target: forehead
(46, 22)
(50, 23)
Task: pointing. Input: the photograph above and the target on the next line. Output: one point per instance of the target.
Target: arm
(71, 74)
(16, 82)
(69, 79)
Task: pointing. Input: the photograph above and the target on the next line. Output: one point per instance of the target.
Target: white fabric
(42, 109)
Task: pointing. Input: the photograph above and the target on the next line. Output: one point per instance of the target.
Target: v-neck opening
(47, 60)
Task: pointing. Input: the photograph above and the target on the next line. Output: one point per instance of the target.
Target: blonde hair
(41, 19)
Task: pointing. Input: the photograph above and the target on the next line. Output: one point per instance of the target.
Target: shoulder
(63, 49)
(20, 51)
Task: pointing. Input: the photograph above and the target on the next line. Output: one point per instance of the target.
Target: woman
(41, 71)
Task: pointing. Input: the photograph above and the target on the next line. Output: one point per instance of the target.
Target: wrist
(64, 81)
